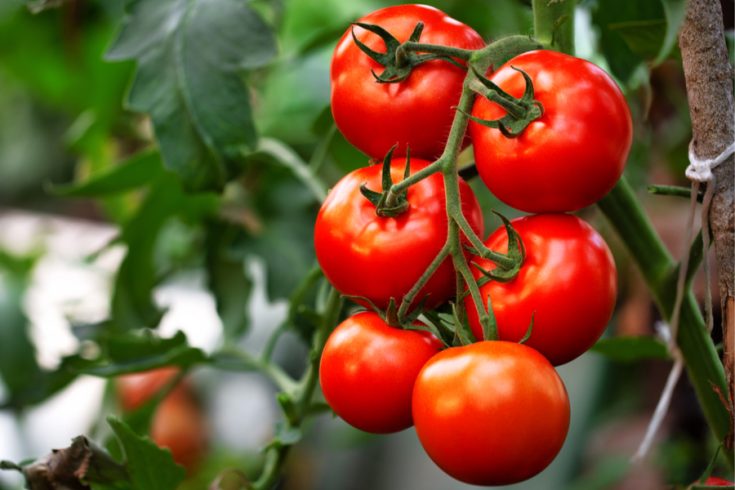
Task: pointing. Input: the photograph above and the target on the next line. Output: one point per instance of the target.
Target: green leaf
(642, 37)
(227, 278)
(130, 352)
(18, 367)
(138, 170)
(132, 301)
(283, 237)
(631, 349)
(615, 18)
(674, 10)
(189, 54)
(149, 467)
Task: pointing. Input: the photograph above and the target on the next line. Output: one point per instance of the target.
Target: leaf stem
(300, 397)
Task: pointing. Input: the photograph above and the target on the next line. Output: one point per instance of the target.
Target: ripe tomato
(415, 112)
(363, 254)
(715, 481)
(490, 413)
(134, 390)
(568, 283)
(573, 154)
(178, 425)
(368, 369)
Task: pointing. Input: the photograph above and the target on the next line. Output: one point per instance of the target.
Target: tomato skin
(368, 369)
(573, 154)
(490, 413)
(178, 425)
(363, 254)
(178, 422)
(568, 282)
(417, 111)
(716, 481)
(134, 390)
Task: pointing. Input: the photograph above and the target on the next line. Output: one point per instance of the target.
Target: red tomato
(715, 481)
(490, 413)
(363, 254)
(568, 283)
(417, 111)
(135, 389)
(179, 426)
(178, 423)
(573, 154)
(368, 369)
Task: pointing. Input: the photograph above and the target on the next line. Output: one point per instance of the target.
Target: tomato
(715, 481)
(178, 425)
(134, 390)
(568, 284)
(178, 422)
(573, 154)
(368, 369)
(490, 413)
(363, 254)
(416, 112)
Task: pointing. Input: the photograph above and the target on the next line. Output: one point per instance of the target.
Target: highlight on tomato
(415, 112)
(565, 289)
(368, 369)
(380, 257)
(490, 413)
(573, 153)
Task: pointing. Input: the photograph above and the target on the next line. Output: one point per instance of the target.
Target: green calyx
(520, 112)
(389, 204)
(397, 61)
(508, 268)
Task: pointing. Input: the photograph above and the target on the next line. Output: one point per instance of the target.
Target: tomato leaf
(132, 301)
(617, 20)
(190, 54)
(136, 351)
(149, 467)
(227, 278)
(135, 172)
(631, 348)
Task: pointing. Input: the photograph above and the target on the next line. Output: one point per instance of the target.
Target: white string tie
(700, 169)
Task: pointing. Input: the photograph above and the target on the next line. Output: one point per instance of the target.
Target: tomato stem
(553, 23)
(464, 54)
(409, 298)
(298, 401)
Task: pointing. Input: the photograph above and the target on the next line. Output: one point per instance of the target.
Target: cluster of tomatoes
(494, 411)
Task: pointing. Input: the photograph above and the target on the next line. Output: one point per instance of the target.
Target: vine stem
(299, 399)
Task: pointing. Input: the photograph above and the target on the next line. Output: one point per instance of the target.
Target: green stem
(702, 362)
(480, 247)
(500, 51)
(460, 53)
(301, 395)
(413, 179)
(553, 22)
(408, 299)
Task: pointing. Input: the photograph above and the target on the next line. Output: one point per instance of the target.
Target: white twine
(700, 169)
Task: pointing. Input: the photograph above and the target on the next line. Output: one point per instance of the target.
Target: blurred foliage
(233, 96)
